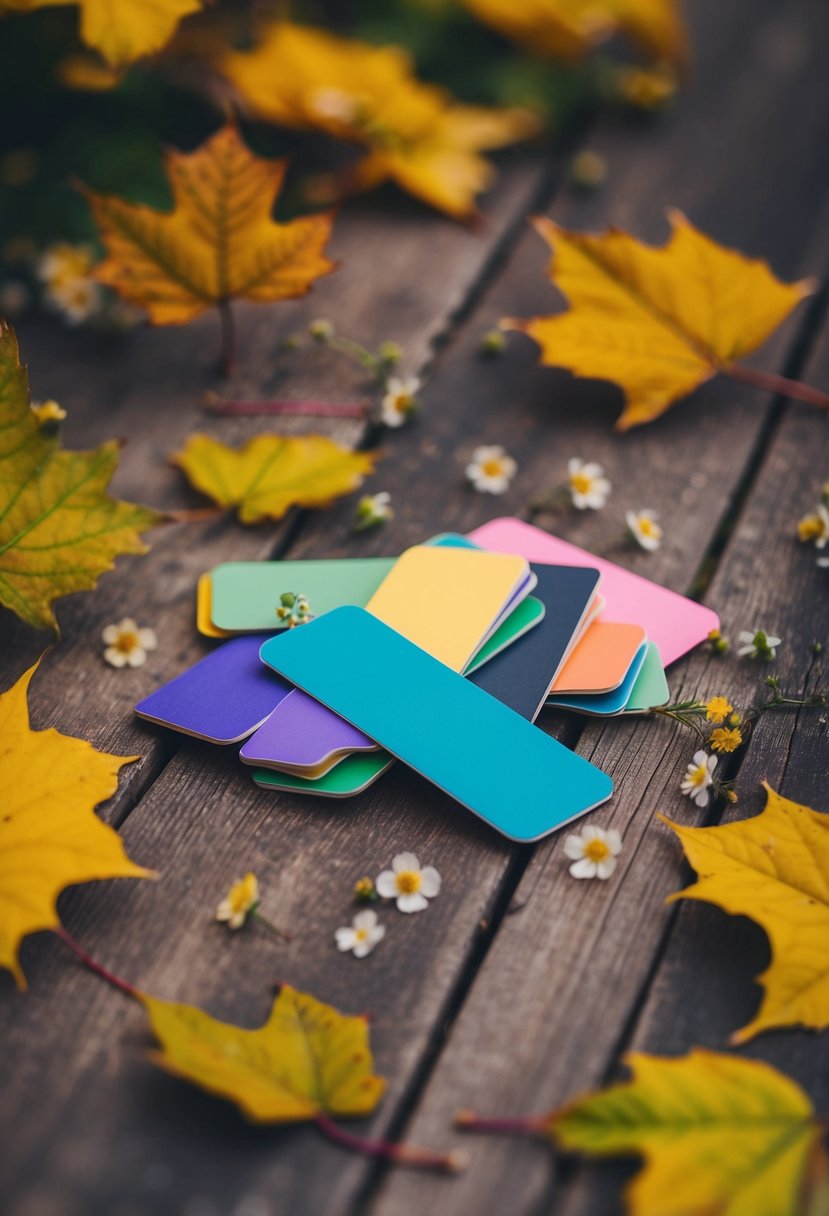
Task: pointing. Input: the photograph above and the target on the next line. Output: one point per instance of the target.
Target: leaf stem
(781, 385)
(526, 1125)
(400, 1154)
(214, 404)
(196, 515)
(227, 357)
(93, 966)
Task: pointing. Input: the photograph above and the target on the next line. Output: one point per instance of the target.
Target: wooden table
(519, 987)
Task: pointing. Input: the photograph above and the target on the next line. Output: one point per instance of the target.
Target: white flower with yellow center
(406, 883)
(400, 400)
(589, 488)
(491, 469)
(62, 263)
(76, 300)
(593, 853)
(241, 900)
(64, 271)
(127, 644)
(362, 935)
(696, 783)
(644, 529)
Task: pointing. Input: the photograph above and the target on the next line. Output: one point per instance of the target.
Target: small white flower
(127, 644)
(697, 781)
(362, 935)
(822, 513)
(589, 488)
(491, 469)
(644, 529)
(400, 400)
(372, 510)
(408, 884)
(593, 853)
(64, 270)
(757, 644)
(76, 299)
(824, 562)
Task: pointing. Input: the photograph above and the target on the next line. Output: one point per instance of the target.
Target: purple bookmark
(223, 698)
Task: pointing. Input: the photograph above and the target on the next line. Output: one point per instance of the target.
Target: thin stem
(96, 968)
(353, 350)
(311, 409)
(268, 924)
(781, 385)
(227, 357)
(532, 1125)
(195, 516)
(400, 1154)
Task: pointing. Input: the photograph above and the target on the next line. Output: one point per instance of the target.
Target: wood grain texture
(88, 1125)
(107, 390)
(549, 1007)
(703, 988)
(203, 820)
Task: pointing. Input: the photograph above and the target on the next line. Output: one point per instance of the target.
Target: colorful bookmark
(223, 698)
(675, 624)
(484, 755)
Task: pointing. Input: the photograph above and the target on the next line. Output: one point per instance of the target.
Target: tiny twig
(400, 1154)
(781, 385)
(95, 967)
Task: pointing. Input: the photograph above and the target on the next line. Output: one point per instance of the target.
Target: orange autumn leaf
(307, 1060)
(773, 868)
(218, 243)
(657, 321)
(136, 28)
(272, 473)
(50, 836)
(416, 134)
(569, 29)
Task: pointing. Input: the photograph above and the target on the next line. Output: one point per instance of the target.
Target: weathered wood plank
(703, 989)
(551, 1000)
(147, 388)
(204, 821)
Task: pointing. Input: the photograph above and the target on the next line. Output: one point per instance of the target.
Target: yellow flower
(725, 739)
(241, 900)
(646, 88)
(718, 709)
(48, 411)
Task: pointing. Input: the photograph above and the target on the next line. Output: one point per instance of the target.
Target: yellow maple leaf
(58, 528)
(657, 321)
(416, 134)
(773, 868)
(50, 837)
(719, 1134)
(569, 29)
(219, 242)
(271, 473)
(122, 31)
(307, 1060)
